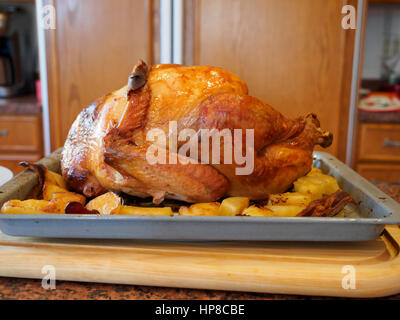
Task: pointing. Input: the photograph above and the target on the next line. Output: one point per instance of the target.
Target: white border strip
(354, 84)
(43, 77)
(166, 31)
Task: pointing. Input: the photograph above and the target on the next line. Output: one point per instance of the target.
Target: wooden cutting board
(274, 267)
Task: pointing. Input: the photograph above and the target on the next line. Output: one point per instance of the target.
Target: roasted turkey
(107, 144)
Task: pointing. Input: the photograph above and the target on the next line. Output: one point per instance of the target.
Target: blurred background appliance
(17, 54)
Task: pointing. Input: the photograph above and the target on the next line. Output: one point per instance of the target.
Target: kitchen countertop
(15, 288)
(21, 105)
(378, 117)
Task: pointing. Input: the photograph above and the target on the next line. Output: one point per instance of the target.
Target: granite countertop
(378, 117)
(15, 288)
(21, 105)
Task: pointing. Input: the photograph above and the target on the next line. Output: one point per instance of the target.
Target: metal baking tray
(363, 222)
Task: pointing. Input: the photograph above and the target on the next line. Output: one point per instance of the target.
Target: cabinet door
(380, 172)
(294, 55)
(91, 53)
(379, 142)
(21, 133)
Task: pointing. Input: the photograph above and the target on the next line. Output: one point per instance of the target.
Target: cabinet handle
(390, 143)
(4, 132)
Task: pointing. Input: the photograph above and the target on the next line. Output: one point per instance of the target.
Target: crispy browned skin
(106, 146)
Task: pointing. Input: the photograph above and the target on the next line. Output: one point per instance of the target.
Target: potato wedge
(49, 189)
(285, 211)
(68, 197)
(55, 178)
(233, 206)
(289, 198)
(200, 209)
(106, 204)
(305, 186)
(54, 192)
(330, 184)
(316, 185)
(130, 210)
(254, 211)
(31, 206)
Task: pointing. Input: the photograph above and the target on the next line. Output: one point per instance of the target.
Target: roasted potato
(108, 203)
(54, 192)
(55, 205)
(289, 198)
(285, 210)
(31, 206)
(55, 178)
(254, 211)
(130, 210)
(316, 184)
(200, 209)
(233, 206)
(311, 187)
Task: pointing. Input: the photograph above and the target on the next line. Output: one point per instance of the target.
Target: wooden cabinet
(20, 140)
(294, 55)
(379, 142)
(20, 133)
(378, 151)
(91, 53)
(381, 172)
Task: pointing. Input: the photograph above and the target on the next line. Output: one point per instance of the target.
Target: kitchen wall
(91, 52)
